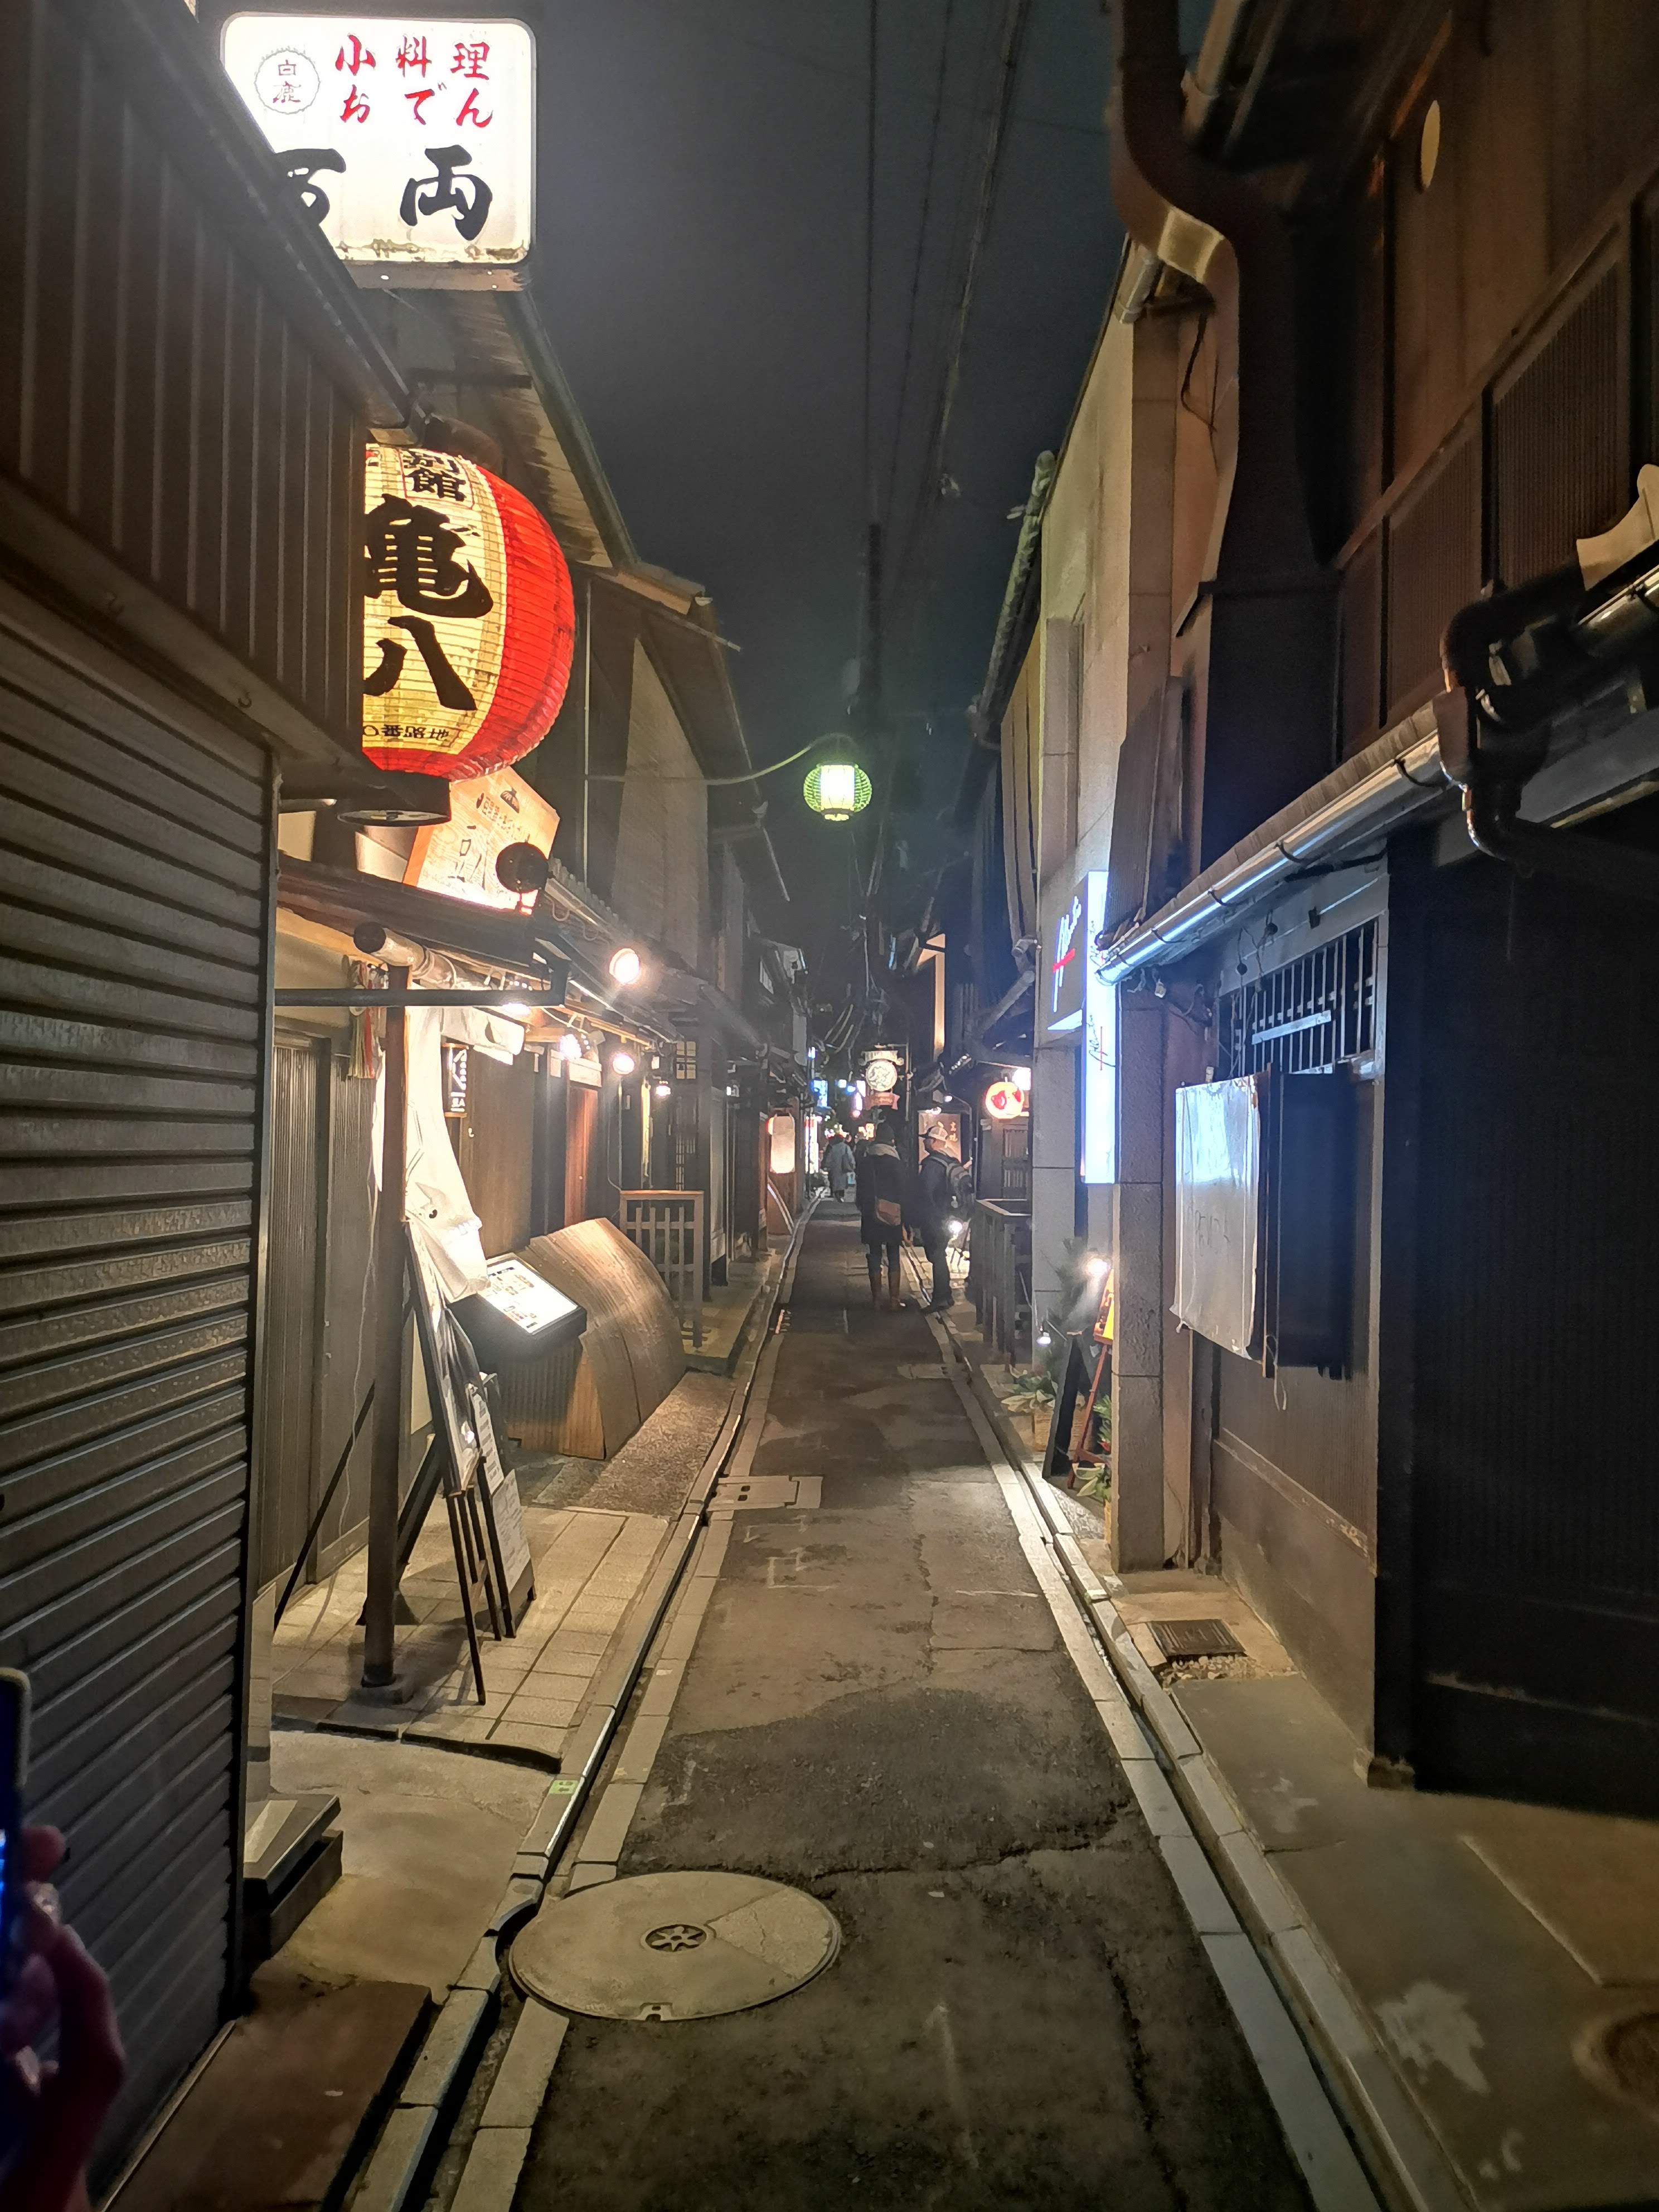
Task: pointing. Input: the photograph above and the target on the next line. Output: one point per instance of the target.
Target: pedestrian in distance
(934, 1203)
(881, 1210)
(840, 1166)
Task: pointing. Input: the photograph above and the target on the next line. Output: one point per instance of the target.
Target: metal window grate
(1308, 1017)
(686, 1059)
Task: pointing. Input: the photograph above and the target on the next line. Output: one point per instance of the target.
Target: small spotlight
(518, 1010)
(957, 1228)
(1023, 1078)
(623, 1063)
(1044, 1338)
(1097, 1268)
(662, 1090)
(570, 1046)
(624, 965)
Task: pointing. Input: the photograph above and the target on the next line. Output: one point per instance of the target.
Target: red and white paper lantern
(469, 621)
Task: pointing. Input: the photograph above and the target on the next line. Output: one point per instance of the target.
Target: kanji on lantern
(469, 620)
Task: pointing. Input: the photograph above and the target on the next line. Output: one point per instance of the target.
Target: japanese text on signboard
(407, 140)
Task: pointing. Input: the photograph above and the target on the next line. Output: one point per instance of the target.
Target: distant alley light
(621, 1063)
(570, 1046)
(837, 790)
(625, 965)
(662, 1090)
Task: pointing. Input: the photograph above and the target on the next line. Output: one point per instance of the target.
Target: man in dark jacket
(881, 1210)
(934, 1199)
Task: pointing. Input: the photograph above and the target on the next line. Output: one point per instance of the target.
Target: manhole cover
(1195, 1639)
(674, 1946)
(1623, 2056)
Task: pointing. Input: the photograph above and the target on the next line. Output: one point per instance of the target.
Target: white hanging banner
(439, 1209)
(409, 140)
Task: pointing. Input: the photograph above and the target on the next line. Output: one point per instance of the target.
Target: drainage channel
(483, 2067)
(1347, 2120)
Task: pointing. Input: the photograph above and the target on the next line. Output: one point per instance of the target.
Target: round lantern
(881, 1073)
(469, 622)
(1005, 1100)
(837, 789)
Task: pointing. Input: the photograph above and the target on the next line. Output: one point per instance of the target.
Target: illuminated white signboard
(409, 140)
(1099, 1045)
(1064, 981)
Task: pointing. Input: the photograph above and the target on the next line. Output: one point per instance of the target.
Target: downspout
(1217, 230)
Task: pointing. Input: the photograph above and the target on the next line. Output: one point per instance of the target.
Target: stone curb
(398, 2168)
(1404, 2158)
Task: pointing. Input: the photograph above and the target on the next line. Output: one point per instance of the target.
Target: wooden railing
(999, 1274)
(667, 1226)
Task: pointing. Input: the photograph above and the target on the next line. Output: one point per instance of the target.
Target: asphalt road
(879, 1710)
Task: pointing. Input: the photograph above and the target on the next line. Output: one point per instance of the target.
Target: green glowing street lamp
(836, 786)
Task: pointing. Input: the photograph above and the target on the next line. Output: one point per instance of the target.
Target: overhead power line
(1016, 22)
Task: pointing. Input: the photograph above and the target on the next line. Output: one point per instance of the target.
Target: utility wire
(1016, 22)
(922, 248)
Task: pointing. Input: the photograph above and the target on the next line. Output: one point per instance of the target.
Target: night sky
(701, 267)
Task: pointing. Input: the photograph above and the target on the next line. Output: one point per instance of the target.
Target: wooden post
(380, 1653)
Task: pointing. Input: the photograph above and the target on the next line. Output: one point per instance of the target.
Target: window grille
(686, 1059)
(1309, 1017)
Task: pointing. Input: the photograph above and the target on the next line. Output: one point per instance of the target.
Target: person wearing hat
(934, 1201)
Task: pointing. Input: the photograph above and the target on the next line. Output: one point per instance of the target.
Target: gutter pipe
(1409, 778)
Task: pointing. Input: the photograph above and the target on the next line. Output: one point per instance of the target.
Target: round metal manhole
(674, 1946)
(1622, 2056)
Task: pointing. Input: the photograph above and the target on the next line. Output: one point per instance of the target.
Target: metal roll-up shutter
(134, 842)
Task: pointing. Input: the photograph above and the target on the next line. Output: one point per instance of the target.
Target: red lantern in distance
(469, 622)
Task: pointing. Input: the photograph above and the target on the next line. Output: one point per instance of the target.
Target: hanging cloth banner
(440, 1212)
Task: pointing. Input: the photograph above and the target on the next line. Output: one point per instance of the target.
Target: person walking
(881, 1210)
(935, 1199)
(839, 1166)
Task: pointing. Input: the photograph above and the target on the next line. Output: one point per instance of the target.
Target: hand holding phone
(49, 2114)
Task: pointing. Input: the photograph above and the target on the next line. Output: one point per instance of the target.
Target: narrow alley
(880, 1710)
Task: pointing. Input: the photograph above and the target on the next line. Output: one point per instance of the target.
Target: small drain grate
(678, 1936)
(1195, 1639)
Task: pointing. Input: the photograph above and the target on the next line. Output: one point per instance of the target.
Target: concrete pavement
(878, 1707)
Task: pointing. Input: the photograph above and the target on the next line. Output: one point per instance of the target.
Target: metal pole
(379, 1654)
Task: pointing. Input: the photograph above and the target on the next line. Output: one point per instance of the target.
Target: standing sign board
(409, 139)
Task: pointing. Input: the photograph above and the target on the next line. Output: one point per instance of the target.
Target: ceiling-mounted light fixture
(625, 965)
(623, 1063)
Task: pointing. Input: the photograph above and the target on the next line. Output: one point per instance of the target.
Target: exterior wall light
(625, 965)
(662, 1090)
(623, 1063)
(570, 1046)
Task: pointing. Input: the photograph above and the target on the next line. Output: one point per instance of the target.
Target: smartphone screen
(14, 1752)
